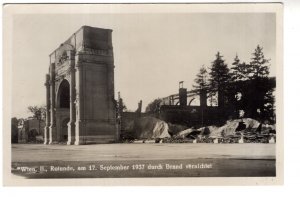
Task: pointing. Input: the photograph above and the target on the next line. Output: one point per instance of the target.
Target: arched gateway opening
(64, 95)
(63, 111)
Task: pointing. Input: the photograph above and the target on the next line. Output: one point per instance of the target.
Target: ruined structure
(30, 130)
(252, 97)
(187, 108)
(80, 90)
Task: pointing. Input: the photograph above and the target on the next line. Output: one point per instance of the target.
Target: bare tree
(38, 112)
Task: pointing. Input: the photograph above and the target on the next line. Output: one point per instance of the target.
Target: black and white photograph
(191, 93)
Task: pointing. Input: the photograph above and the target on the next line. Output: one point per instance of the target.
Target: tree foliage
(120, 106)
(201, 81)
(38, 112)
(239, 71)
(257, 88)
(258, 99)
(219, 74)
(219, 78)
(153, 107)
(251, 80)
(259, 65)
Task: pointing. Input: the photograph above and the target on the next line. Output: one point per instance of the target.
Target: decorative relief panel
(64, 57)
(62, 71)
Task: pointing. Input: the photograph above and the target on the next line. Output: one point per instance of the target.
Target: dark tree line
(248, 80)
(153, 107)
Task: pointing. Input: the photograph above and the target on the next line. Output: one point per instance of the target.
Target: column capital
(47, 84)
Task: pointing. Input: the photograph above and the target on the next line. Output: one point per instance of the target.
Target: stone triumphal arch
(80, 90)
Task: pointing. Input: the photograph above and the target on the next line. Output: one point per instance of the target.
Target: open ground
(225, 160)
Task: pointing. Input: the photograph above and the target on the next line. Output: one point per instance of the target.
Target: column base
(95, 132)
(71, 133)
(52, 131)
(79, 128)
(71, 141)
(79, 141)
(46, 134)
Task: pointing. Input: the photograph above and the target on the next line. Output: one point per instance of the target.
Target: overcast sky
(152, 52)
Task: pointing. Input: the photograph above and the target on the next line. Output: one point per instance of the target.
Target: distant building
(30, 130)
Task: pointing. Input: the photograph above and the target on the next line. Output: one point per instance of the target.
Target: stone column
(52, 128)
(71, 124)
(110, 88)
(79, 106)
(46, 130)
(111, 98)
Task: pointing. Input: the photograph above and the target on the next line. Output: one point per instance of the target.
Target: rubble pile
(174, 129)
(245, 130)
(151, 128)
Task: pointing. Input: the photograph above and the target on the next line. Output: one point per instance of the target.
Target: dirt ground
(143, 160)
(100, 152)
